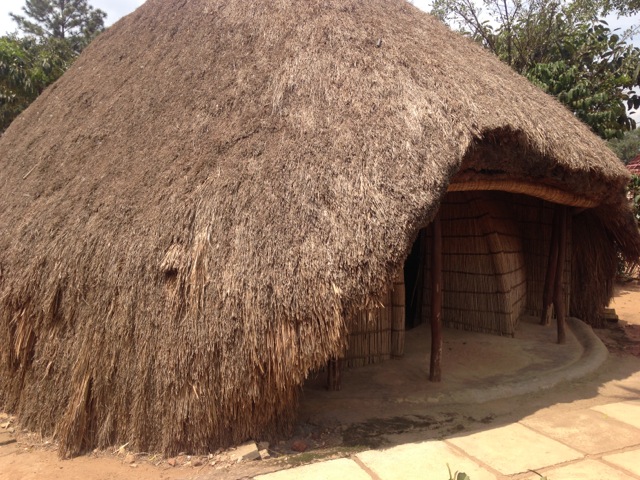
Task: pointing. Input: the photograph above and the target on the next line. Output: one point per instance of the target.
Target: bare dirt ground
(624, 335)
(25, 456)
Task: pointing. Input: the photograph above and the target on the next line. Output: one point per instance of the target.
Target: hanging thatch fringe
(595, 263)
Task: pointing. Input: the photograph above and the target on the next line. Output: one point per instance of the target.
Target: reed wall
(378, 334)
(484, 274)
(535, 218)
(495, 253)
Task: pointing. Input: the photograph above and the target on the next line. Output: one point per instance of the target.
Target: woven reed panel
(483, 265)
(535, 217)
(495, 252)
(370, 335)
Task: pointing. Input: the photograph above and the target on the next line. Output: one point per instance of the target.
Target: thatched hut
(193, 217)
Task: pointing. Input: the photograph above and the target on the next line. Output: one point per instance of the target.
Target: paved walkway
(576, 440)
(597, 443)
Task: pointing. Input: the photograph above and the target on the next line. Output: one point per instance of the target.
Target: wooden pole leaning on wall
(558, 291)
(435, 374)
(398, 316)
(334, 374)
(552, 265)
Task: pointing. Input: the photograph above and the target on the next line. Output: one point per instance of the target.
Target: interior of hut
(488, 259)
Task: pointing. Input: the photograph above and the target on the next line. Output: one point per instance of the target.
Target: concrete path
(576, 440)
(597, 443)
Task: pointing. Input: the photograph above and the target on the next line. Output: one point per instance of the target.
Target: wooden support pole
(558, 291)
(435, 374)
(398, 316)
(552, 265)
(334, 374)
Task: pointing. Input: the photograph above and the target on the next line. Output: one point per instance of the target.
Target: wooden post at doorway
(398, 316)
(552, 266)
(435, 374)
(554, 279)
(334, 374)
(558, 292)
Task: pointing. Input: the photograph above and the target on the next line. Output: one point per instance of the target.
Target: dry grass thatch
(189, 215)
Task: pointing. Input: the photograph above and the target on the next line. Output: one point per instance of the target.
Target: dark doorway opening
(414, 281)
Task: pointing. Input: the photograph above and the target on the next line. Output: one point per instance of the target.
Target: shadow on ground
(488, 381)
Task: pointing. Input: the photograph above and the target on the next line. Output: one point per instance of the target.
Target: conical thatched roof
(188, 216)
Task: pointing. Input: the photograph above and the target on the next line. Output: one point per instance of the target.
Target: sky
(114, 8)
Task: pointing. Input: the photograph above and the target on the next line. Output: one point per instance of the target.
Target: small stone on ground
(246, 451)
(299, 446)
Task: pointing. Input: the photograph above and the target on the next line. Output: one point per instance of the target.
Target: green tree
(27, 67)
(561, 47)
(73, 20)
(627, 147)
(55, 32)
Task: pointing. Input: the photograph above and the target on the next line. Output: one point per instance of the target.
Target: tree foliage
(54, 33)
(73, 20)
(27, 67)
(561, 47)
(622, 7)
(627, 147)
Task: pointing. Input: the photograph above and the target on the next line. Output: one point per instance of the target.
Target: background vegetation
(53, 33)
(565, 48)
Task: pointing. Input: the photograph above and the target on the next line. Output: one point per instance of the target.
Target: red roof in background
(634, 165)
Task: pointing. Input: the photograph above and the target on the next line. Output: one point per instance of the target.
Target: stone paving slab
(585, 430)
(420, 461)
(629, 461)
(584, 470)
(515, 449)
(627, 412)
(339, 469)
(554, 444)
